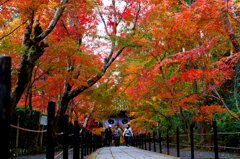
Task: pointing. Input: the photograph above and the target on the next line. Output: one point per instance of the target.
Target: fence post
(41, 135)
(142, 141)
(134, 141)
(17, 133)
(50, 124)
(149, 140)
(160, 140)
(215, 139)
(94, 142)
(137, 137)
(99, 142)
(154, 141)
(82, 143)
(76, 140)
(65, 137)
(177, 140)
(139, 141)
(168, 149)
(5, 105)
(91, 142)
(145, 141)
(87, 143)
(192, 141)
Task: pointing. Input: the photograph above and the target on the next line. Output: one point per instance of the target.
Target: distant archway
(121, 120)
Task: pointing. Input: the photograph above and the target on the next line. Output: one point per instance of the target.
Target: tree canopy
(166, 58)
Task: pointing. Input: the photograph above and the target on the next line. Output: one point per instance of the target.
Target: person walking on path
(127, 135)
(116, 135)
(108, 136)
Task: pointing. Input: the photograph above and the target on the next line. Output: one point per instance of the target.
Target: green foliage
(33, 116)
(189, 1)
(27, 119)
(229, 135)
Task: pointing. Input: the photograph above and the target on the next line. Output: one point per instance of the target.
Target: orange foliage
(177, 54)
(206, 113)
(182, 78)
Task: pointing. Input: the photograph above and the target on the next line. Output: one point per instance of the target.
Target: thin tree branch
(109, 60)
(4, 2)
(106, 65)
(115, 18)
(4, 36)
(28, 30)
(236, 87)
(137, 16)
(88, 118)
(54, 21)
(128, 84)
(64, 26)
(234, 17)
(229, 30)
(213, 96)
(185, 3)
(225, 105)
(121, 17)
(103, 20)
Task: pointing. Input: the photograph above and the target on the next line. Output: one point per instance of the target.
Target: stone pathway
(124, 152)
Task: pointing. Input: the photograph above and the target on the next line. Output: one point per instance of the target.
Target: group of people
(115, 135)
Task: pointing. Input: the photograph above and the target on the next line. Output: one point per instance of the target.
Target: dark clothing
(116, 140)
(116, 136)
(108, 136)
(127, 140)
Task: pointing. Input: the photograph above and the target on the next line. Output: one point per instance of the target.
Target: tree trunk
(33, 50)
(229, 30)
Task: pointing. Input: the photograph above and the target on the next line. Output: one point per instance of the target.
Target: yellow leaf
(154, 98)
(52, 4)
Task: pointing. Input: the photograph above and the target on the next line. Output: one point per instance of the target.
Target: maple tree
(185, 82)
(18, 18)
(111, 17)
(61, 65)
(170, 57)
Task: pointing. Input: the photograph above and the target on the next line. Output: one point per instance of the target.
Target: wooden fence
(5, 105)
(83, 143)
(154, 141)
